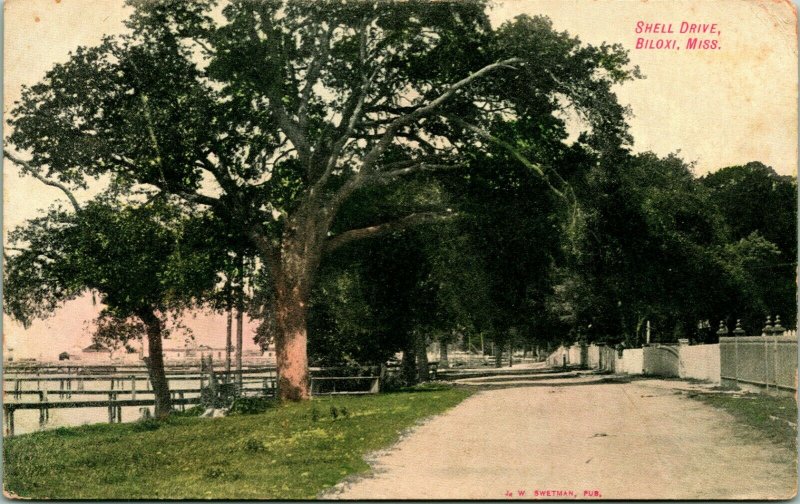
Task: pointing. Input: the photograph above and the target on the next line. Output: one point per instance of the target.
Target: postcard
(400, 250)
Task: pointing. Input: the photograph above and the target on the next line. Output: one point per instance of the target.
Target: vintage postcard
(400, 249)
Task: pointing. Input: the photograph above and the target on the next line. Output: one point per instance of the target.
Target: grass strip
(291, 451)
(774, 417)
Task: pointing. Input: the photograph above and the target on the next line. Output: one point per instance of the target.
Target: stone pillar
(584, 353)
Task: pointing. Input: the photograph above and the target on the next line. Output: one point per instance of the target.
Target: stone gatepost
(584, 353)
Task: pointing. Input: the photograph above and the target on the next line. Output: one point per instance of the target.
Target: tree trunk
(423, 372)
(155, 363)
(408, 367)
(443, 352)
(292, 289)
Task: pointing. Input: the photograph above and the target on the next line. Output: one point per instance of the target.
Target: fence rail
(320, 385)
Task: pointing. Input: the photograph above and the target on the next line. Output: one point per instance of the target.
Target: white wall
(700, 362)
(575, 354)
(632, 361)
(594, 356)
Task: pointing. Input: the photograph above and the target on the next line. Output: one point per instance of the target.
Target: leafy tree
(127, 255)
(647, 251)
(374, 298)
(658, 244)
(758, 206)
(277, 115)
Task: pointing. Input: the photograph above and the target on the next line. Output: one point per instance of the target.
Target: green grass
(291, 451)
(769, 415)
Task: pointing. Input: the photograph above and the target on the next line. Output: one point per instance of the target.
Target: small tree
(126, 255)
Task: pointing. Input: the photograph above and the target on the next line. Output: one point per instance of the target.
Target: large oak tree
(272, 114)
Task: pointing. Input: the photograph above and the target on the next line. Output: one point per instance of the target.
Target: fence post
(766, 362)
(737, 333)
(111, 409)
(9, 413)
(766, 333)
(775, 352)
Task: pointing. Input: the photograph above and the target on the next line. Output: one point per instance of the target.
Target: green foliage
(758, 208)
(200, 458)
(290, 109)
(123, 253)
(146, 425)
(251, 405)
(194, 411)
(114, 332)
(655, 244)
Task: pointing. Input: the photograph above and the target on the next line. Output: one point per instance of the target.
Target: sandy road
(611, 441)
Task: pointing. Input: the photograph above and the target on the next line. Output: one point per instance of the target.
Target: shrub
(194, 411)
(251, 405)
(146, 425)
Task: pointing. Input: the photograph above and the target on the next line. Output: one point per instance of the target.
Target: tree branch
(270, 251)
(386, 139)
(414, 219)
(511, 149)
(201, 199)
(350, 118)
(313, 74)
(35, 174)
(387, 176)
(293, 131)
(422, 111)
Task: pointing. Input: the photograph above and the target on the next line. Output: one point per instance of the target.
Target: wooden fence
(125, 389)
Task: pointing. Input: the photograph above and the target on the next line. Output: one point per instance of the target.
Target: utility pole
(239, 323)
(228, 345)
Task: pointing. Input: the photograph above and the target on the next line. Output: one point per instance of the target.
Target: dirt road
(634, 440)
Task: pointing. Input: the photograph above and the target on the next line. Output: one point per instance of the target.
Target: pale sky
(718, 107)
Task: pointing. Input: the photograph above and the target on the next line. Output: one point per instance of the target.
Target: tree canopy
(276, 114)
(263, 144)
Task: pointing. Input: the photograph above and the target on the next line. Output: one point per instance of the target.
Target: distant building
(192, 351)
(96, 352)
